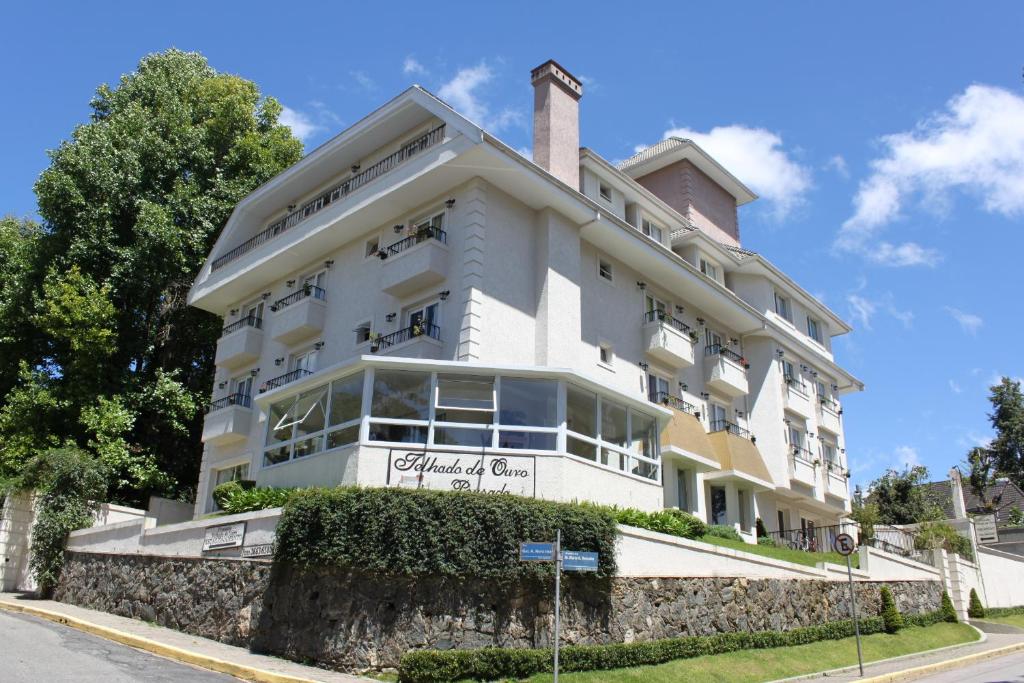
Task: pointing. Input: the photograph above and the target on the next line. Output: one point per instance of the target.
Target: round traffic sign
(844, 544)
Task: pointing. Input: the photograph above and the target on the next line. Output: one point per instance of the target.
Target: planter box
(668, 345)
(227, 425)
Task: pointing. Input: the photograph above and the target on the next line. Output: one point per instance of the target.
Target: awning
(684, 438)
(740, 459)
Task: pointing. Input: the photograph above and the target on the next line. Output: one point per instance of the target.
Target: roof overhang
(687, 150)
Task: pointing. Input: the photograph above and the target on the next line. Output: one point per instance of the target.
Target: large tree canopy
(898, 497)
(100, 350)
(1007, 418)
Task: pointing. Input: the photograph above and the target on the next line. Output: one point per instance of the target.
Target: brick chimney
(556, 122)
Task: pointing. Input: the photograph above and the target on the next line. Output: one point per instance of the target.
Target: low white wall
(884, 566)
(1003, 577)
(109, 513)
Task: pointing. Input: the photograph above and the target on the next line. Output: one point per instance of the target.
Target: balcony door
(714, 338)
(718, 416)
(652, 303)
(241, 387)
(424, 316)
(305, 360)
(254, 311)
(317, 279)
(657, 388)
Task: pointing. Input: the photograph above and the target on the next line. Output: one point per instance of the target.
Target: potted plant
(374, 342)
(694, 336)
(416, 329)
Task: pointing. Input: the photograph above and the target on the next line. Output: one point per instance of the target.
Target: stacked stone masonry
(353, 622)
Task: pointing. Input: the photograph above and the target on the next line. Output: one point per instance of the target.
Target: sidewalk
(182, 647)
(912, 667)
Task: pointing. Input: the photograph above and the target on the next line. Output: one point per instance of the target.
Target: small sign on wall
(224, 536)
(451, 471)
(260, 550)
(985, 527)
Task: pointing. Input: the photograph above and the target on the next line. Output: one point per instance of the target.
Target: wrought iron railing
(247, 321)
(332, 195)
(731, 427)
(412, 240)
(829, 403)
(725, 352)
(237, 399)
(802, 454)
(304, 291)
(667, 399)
(421, 329)
(286, 378)
(813, 539)
(662, 316)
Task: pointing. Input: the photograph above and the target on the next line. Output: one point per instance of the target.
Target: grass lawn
(753, 666)
(1013, 620)
(787, 554)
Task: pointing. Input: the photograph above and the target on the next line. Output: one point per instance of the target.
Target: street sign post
(567, 560)
(845, 545)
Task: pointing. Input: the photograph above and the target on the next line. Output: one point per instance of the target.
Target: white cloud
(906, 456)
(364, 81)
(863, 308)
(462, 93)
(302, 126)
(838, 164)
(954, 386)
(976, 146)
(411, 67)
(755, 156)
(969, 322)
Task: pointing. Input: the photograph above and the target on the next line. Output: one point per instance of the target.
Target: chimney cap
(558, 73)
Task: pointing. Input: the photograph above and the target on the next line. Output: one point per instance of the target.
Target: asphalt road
(33, 650)
(1009, 669)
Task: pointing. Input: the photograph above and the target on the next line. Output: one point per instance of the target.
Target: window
(241, 386)
(253, 311)
(424, 316)
(783, 307)
(813, 329)
(652, 230)
(296, 426)
(605, 191)
(717, 505)
(657, 388)
(372, 247)
(429, 223)
(223, 476)
(317, 279)
(400, 395)
(709, 268)
(604, 269)
(718, 416)
(305, 360)
(782, 520)
(605, 354)
(788, 372)
(363, 332)
(346, 410)
(682, 489)
(464, 399)
(652, 303)
(828, 454)
(714, 339)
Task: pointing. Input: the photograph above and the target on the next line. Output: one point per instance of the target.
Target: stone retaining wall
(353, 622)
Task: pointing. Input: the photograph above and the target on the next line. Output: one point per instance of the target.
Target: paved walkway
(209, 654)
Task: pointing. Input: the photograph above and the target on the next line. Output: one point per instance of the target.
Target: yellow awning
(740, 455)
(686, 433)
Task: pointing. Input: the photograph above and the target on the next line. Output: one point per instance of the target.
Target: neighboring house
(956, 498)
(415, 295)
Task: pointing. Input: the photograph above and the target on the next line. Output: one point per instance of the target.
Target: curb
(169, 651)
(947, 665)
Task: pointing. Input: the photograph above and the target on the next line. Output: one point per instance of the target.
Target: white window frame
(605, 271)
(315, 277)
(241, 384)
(367, 252)
(816, 324)
(310, 355)
(709, 267)
(422, 308)
(658, 379)
(649, 227)
(215, 470)
(253, 309)
(368, 324)
(783, 307)
(602, 348)
(604, 191)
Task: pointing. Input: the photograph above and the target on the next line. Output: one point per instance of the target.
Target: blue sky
(885, 139)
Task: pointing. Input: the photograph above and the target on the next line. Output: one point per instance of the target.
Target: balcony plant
(374, 342)
(694, 337)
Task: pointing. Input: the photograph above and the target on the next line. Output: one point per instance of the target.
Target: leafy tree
(1007, 418)
(900, 499)
(975, 609)
(865, 514)
(982, 462)
(100, 336)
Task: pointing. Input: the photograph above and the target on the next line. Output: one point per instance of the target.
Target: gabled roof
(1003, 495)
(671, 150)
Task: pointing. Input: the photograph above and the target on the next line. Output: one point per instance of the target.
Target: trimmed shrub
(488, 664)
(766, 540)
(943, 535)
(723, 531)
(947, 609)
(409, 532)
(890, 615)
(674, 522)
(235, 499)
(975, 609)
(993, 612)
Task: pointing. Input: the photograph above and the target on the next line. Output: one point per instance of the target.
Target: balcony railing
(285, 379)
(238, 399)
(247, 321)
(814, 539)
(412, 240)
(731, 427)
(305, 291)
(421, 329)
(802, 454)
(332, 195)
(662, 316)
(667, 399)
(725, 352)
(795, 384)
(828, 403)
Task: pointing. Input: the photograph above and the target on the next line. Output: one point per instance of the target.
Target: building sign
(261, 550)
(530, 551)
(224, 536)
(579, 561)
(985, 527)
(450, 471)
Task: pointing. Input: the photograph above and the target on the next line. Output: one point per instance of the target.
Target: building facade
(414, 303)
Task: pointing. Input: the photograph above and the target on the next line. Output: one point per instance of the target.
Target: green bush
(235, 497)
(766, 540)
(222, 492)
(488, 664)
(403, 532)
(943, 535)
(975, 609)
(993, 612)
(947, 609)
(723, 531)
(674, 522)
(890, 615)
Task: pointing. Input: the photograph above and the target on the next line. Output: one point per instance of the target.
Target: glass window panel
(343, 437)
(347, 399)
(581, 448)
(465, 391)
(476, 417)
(401, 394)
(309, 446)
(398, 433)
(536, 441)
(311, 412)
(280, 422)
(612, 459)
(529, 402)
(581, 411)
(645, 434)
(644, 469)
(458, 436)
(276, 455)
(235, 473)
(613, 424)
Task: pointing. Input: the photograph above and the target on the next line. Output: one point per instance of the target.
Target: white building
(415, 298)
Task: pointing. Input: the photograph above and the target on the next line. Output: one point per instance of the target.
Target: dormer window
(709, 268)
(652, 230)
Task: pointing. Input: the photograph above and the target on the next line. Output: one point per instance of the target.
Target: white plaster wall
(884, 566)
(16, 519)
(1001, 574)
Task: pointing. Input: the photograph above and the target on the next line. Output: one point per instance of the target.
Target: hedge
(669, 521)
(409, 532)
(975, 610)
(487, 664)
(723, 531)
(233, 497)
(991, 612)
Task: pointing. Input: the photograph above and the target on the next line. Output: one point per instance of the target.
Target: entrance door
(717, 505)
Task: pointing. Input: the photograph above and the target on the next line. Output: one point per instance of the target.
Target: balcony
(802, 467)
(228, 420)
(416, 262)
(286, 378)
(668, 340)
(829, 415)
(332, 196)
(420, 340)
(676, 403)
(731, 427)
(836, 481)
(240, 343)
(300, 315)
(797, 399)
(725, 371)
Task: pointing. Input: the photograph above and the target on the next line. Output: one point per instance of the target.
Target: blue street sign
(536, 552)
(579, 561)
